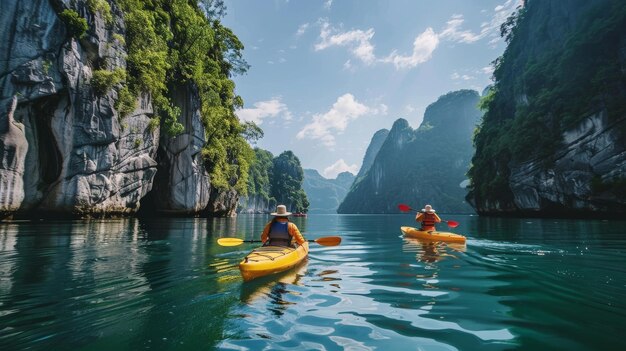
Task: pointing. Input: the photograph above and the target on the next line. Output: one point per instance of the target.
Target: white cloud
(264, 109)
(454, 32)
(487, 70)
(302, 29)
(328, 4)
(357, 41)
(340, 166)
(343, 111)
(382, 109)
(457, 76)
(282, 60)
(423, 48)
(409, 108)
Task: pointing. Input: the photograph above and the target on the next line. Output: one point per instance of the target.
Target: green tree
(173, 43)
(286, 182)
(75, 24)
(260, 174)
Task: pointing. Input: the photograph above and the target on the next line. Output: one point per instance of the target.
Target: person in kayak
(279, 231)
(428, 217)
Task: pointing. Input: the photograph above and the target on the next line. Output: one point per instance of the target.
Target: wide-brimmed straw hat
(428, 208)
(281, 211)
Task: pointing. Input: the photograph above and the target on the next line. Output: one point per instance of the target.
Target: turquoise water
(165, 284)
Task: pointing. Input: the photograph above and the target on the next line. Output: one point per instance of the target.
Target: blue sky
(326, 75)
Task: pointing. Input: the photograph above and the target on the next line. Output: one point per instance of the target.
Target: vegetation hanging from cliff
(546, 83)
(75, 24)
(183, 43)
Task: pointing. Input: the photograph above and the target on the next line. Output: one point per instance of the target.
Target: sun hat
(281, 211)
(428, 208)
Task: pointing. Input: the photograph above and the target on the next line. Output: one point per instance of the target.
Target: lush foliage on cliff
(425, 165)
(76, 25)
(174, 43)
(260, 174)
(277, 180)
(286, 182)
(550, 77)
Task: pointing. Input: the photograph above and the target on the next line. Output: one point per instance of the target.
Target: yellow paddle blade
(230, 241)
(328, 240)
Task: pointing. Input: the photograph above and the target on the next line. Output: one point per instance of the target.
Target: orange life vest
(428, 220)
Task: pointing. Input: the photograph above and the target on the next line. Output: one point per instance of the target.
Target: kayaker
(428, 217)
(279, 231)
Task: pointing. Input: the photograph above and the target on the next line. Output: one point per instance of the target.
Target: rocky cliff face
(64, 147)
(426, 165)
(591, 152)
(182, 183)
(256, 204)
(553, 141)
(73, 152)
(372, 150)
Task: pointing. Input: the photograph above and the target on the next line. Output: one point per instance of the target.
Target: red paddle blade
(404, 207)
(452, 224)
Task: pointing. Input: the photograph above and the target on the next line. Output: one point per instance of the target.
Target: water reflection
(274, 285)
(432, 251)
(110, 284)
(166, 284)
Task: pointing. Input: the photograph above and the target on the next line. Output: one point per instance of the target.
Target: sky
(325, 75)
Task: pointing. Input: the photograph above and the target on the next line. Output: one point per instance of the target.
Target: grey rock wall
(222, 203)
(255, 204)
(13, 149)
(593, 149)
(81, 157)
(182, 185)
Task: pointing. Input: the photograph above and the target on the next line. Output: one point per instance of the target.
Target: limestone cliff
(372, 150)
(553, 139)
(73, 152)
(424, 165)
(66, 147)
(272, 181)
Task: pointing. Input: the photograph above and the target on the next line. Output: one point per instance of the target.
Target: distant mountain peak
(324, 194)
(426, 164)
(372, 150)
(345, 175)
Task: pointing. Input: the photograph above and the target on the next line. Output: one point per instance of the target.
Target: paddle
(406, 208)
(326, 241)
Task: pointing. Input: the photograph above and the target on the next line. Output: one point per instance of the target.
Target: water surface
(132, 284)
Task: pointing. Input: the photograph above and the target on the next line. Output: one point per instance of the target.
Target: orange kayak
(433, 235)
(267, 260)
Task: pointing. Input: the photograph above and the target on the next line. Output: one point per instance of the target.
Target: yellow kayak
(267, 260)
(433, 235)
